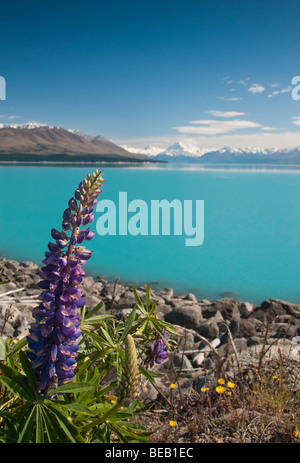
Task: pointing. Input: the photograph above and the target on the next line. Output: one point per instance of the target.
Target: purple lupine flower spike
(52, 338)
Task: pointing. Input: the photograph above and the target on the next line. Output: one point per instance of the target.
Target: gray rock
(166, 293)
(162, 310)
(209, 329)
(246, 308)
(229, 308)
(190, 297)
(188, 317)
(276, 308)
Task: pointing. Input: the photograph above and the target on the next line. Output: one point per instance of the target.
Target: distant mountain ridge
(189, 152)
(39, 142)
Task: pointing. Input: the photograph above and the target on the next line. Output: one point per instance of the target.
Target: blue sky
(154, 72)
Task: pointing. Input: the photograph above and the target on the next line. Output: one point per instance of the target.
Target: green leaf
(39, 431)
(20, 344)
(147, 374)
(128, 325)
(153, 307)
(94, 310)
(72, 387)
(76, 407)
(70, 431)
(27, 368)
(2, 349)
(107, 336)
(86, 395)
(139, 302)
(26, 432)
(14, 381)
(54, 432)
(148, 297)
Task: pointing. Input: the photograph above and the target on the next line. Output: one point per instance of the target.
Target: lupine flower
(159, 349)
(52, 339)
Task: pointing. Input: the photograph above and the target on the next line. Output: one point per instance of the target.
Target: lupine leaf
(15, 383)
(128, 325)
(2, 349)
(54, 432)
(39, 432)
(27, 368)
(76, 407)
(71, 387)
(20, 345)
(94, 310)
(26, 427)
(148, 297)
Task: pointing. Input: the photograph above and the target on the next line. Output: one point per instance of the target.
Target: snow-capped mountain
(149, 150)
(187, 151)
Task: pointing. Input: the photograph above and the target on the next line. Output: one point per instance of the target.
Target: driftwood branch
(6, 298)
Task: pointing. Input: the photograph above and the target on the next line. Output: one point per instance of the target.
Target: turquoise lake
(251, 247)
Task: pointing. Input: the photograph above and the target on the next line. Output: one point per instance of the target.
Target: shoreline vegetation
(233, 376)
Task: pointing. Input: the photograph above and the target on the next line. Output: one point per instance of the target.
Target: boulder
(187, 316)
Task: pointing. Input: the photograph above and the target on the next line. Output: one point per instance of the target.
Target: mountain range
(37, 142)
(189, 152)
(33, 142)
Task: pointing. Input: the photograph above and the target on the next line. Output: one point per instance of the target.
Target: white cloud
(296, 120)
(228, 99)
(268, 128)
(278, 92)
(213, 127)
(225, 113)
(8, 117)
(256, 88)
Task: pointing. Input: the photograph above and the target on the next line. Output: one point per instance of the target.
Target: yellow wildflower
(172, 423)
(172, 386)
(221, 381)
(220, 389)
(230, 384)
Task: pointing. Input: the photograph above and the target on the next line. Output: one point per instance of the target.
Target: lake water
(251, 222)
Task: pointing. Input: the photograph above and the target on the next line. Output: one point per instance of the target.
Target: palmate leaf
(58, 428)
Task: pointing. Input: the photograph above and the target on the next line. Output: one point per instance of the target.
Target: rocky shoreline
(205, 325)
